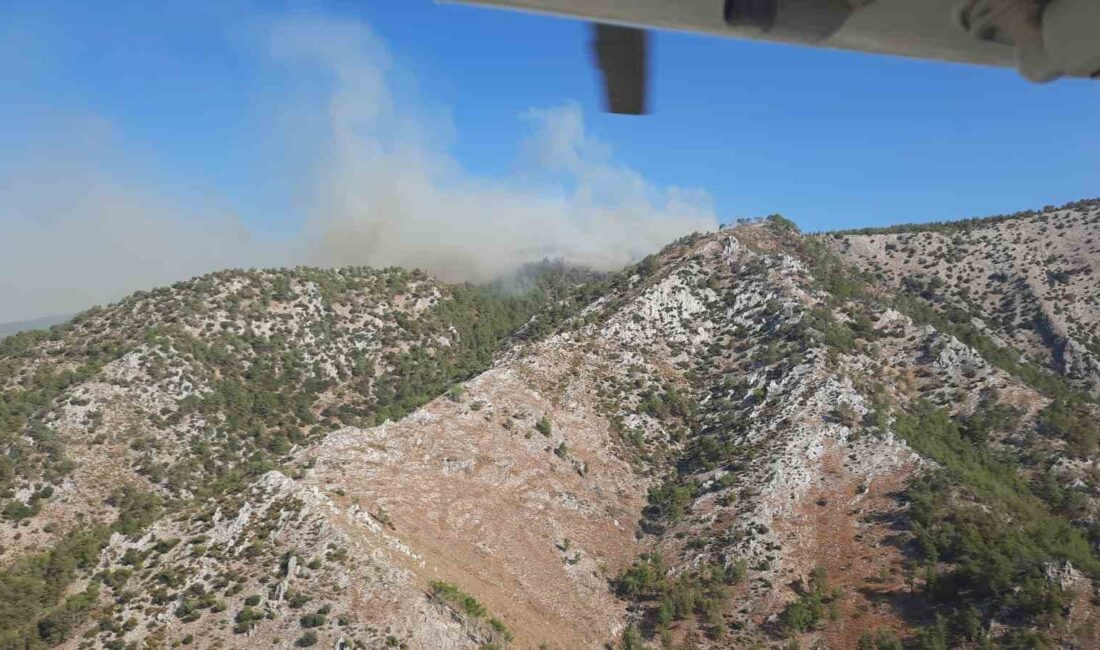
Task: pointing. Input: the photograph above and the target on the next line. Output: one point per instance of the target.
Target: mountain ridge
(748, 439)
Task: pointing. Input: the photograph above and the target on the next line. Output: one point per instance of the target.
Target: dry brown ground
(850, 535)
(489, 509)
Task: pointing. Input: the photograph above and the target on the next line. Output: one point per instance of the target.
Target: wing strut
(622, 56)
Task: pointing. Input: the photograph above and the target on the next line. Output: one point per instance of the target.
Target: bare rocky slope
(752, 439)
(1031, 279)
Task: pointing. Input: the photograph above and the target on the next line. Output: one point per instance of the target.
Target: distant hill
(14, 327)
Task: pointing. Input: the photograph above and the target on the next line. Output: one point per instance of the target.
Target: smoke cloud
(383, 189)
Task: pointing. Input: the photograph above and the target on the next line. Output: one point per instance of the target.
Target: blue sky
(187, 108)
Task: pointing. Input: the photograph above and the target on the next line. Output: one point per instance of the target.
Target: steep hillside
(743, 441)
(1032, 279)
(191, 392)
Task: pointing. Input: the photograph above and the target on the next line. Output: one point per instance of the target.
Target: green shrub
(56, 626)
(812, 608)
(881, 640)
(701, 592)
(452, 594)
(312, 620)
(31, 587)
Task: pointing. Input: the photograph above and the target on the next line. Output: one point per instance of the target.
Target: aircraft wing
(1044, 39)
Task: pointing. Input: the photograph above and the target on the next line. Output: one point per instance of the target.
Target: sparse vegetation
(449, 593)
(813, 608)
(726, 372)
(985, 535)
(701, 592)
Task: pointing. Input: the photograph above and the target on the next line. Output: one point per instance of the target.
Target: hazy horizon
(249, 136)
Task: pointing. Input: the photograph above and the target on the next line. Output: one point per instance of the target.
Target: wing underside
(914, 28)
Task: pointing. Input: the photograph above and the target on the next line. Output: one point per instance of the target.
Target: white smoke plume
(383, 190)
(388, 195)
